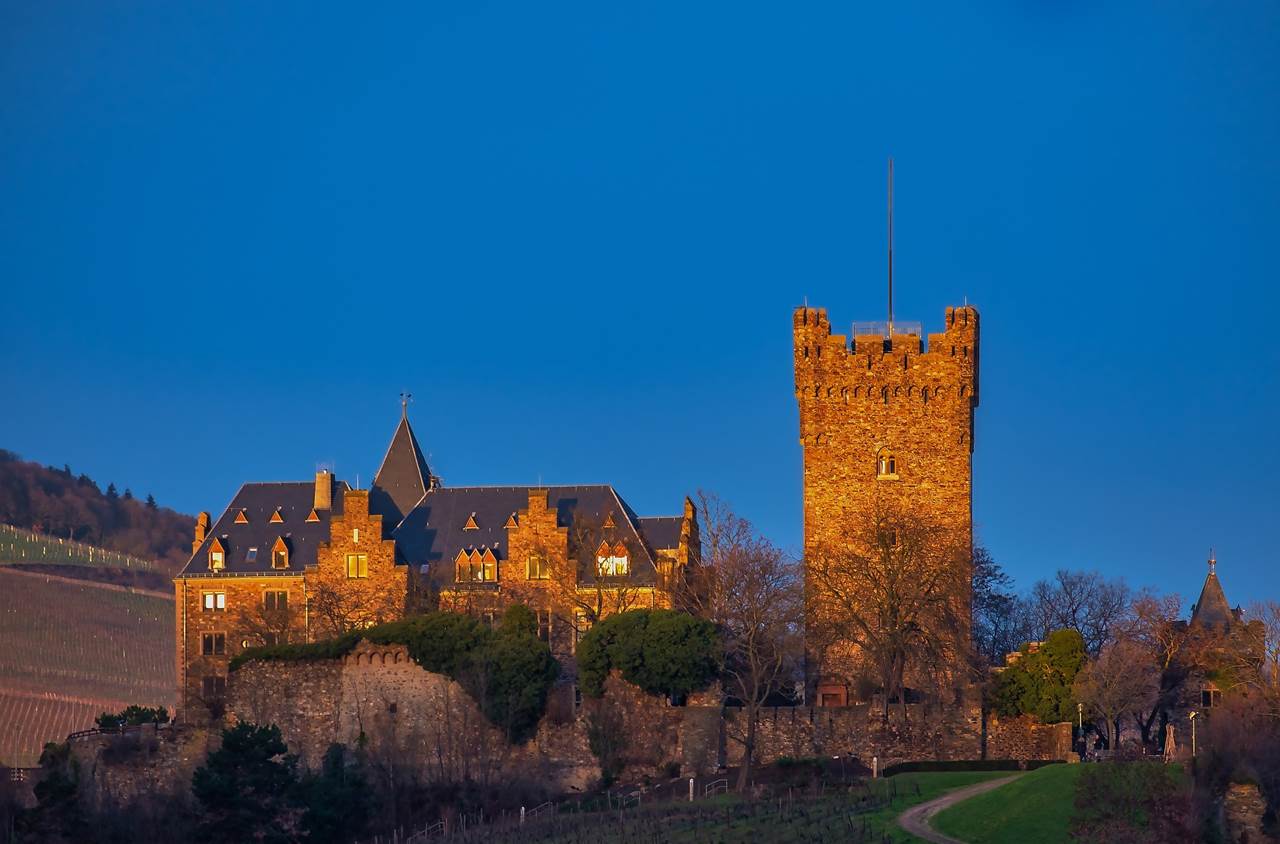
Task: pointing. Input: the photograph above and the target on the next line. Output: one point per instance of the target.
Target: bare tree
(336, 609)
(1000, 619)
(1083, 601)
(1263, 637)
(1154, 624)
(753, 592)
(899, 591)
(1120, 681)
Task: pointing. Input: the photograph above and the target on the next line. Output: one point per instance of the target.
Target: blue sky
(231, 234)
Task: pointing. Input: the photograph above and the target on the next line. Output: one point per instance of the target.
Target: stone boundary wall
(860, 731)
(409, 720)
(1026, 738)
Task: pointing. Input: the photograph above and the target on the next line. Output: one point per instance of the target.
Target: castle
(304, 561)
(884, 422)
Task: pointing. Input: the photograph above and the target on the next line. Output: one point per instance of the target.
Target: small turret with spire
(1212, 610)
(404, 477)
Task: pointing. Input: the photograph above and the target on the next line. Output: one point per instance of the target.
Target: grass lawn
(1036, 807)
(838, 816)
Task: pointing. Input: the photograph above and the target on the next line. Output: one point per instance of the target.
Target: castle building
(884, 421)
(306, 561)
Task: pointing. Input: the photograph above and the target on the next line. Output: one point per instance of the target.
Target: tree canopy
(662, 651)
(1039, 683)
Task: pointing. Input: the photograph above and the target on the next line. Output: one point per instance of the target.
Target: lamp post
(1080, 725)
(1192, 716)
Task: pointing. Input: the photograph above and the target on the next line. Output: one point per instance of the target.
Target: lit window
(357, 565)
(538, 568)
(213, 644)
(886, 464)
(612, 561)
(215, 601)
(217, 559)
(275, 600)
(280, 555)
(355, 535)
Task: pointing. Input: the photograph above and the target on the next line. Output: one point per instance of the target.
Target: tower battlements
(875, 367)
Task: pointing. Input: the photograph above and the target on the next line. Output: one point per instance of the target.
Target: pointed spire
(404, 476)
(1213, 609)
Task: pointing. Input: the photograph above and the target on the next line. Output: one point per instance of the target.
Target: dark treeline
(60, 503)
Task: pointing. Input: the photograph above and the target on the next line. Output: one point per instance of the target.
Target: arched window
(886, 464)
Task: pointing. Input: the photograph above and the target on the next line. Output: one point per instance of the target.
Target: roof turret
(403, 478)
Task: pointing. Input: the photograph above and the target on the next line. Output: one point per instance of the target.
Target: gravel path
(916, 819)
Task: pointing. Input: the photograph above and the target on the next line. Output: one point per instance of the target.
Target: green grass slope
(840, 815)
(1037, 807)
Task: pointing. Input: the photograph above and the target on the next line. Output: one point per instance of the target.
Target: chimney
(202, 530)
(324, 490)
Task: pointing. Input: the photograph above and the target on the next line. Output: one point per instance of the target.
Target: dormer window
(475, 566)
(471, 523)
(280, 554)
(252, 556)
(277, 517)
(886, 465)
(612, 561)
(217, 556)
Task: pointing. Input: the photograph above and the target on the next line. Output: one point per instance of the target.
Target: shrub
(132, 716)
(662, 651)
(508, 671)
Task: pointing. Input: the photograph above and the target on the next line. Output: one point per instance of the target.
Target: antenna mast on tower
(890, 337)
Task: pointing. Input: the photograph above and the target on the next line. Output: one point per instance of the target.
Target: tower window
(538, 568)
(886, 464)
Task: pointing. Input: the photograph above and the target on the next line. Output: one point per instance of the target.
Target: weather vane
(405, 398)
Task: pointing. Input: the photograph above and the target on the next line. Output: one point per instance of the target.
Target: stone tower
(884, 418)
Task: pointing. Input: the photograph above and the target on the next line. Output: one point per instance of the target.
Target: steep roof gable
(402, 479)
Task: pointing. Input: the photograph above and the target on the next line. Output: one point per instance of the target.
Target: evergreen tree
(128, 494)
(247, 789)
(151, 502)
(112, 495)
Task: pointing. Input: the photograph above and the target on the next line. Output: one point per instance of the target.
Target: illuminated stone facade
(883, 420)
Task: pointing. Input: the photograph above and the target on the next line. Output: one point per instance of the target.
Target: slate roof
(663, 532)
(433, 533)
(402, 479)
(1212, 610)
(259, 501)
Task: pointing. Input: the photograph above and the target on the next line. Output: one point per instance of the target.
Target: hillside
(72, 650)
(58, 503)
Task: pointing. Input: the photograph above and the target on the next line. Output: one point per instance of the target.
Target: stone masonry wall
(1026, 738)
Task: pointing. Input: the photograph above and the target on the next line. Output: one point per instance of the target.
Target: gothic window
(886, 464)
